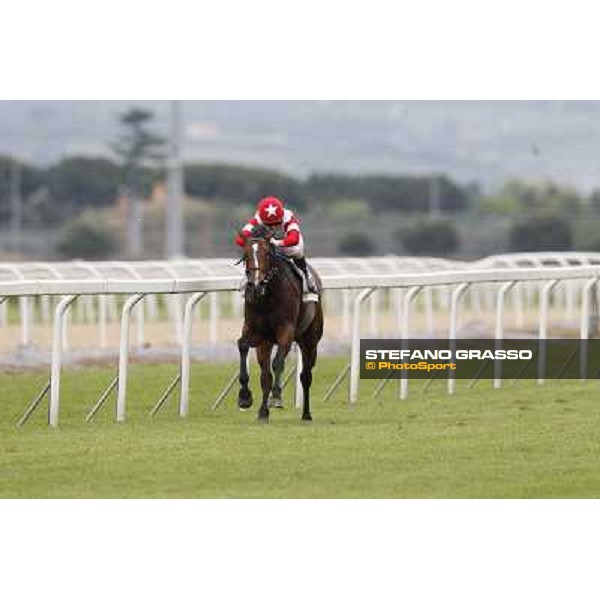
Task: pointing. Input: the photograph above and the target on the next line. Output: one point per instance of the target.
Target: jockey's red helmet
(270, 210)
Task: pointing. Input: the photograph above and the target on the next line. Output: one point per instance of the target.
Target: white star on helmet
(271, 210)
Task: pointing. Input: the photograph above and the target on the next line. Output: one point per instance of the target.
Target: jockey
(272, 213)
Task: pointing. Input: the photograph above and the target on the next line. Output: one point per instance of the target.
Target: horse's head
(258, 261)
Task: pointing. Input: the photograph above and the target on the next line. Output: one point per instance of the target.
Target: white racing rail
(385, 306)
(104, 308)
(364, 286)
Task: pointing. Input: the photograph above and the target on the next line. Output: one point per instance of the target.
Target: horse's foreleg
(245, 395)
(263, 355)
(284, 344)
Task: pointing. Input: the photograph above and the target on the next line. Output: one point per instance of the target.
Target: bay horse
(274, 313)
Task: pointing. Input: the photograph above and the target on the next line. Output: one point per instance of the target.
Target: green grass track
(518, 442)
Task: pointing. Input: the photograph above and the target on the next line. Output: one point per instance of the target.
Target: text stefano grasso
(412, 355)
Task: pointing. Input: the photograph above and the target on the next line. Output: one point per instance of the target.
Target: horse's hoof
(276, 403)
(263, 418)
(245, 399)
(306, 418)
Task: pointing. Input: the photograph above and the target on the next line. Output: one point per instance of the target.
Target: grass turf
(517, 442)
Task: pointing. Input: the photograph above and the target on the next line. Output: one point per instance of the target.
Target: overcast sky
(483, 141)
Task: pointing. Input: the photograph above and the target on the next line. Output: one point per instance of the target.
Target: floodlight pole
(174, 206)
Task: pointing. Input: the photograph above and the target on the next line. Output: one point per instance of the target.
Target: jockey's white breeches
(296, 251)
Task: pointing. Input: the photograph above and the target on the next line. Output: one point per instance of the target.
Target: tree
(545, 198)
(241, 184)
(539, 234)
(356, 243)
(82, 182)
(429, 238)
(87, 239)
(137, 146)
(387, 192)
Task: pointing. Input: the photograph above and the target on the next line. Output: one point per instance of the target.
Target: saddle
(306, 295)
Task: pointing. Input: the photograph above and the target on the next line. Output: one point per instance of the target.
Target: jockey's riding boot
(310, 282)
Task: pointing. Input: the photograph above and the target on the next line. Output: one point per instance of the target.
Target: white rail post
(57, 339)
(499, 333)
(584, 326)
(65, 337)
(457, 293)
(140, 318)
(405, 332)
(213, 318)
(25, 311)
(543, 329)
(186, 343)
(124, 355)
(355, 344)
(3, 315)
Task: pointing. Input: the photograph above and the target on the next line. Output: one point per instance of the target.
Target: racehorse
(274, 313)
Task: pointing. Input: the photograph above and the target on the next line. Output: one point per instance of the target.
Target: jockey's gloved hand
(276, 243)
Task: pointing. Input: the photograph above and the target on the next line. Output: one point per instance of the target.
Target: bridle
(271, 270)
